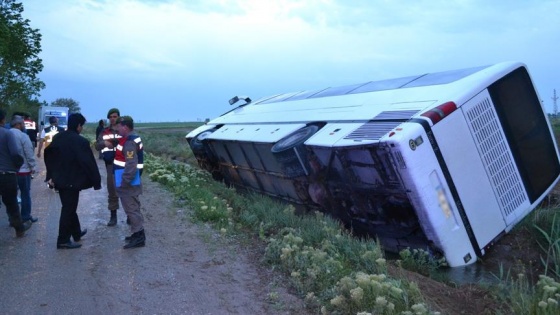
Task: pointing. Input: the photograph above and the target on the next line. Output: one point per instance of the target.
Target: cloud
(170, 36)
(215, 48)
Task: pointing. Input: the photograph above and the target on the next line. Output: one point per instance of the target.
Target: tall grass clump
(522, 297)
(520, 293)
(548, 226)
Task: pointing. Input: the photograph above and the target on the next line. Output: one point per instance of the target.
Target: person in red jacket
(71, 167)
(128, 165)
(30, 129)
(107, 142)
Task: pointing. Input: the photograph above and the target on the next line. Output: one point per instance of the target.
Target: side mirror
(236, 99)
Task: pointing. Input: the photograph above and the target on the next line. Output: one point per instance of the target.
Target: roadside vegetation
(333, 271)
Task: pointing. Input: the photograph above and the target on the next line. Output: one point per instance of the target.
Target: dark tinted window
(339, 90)
(383, 85)
(526, 129)
(443, 77)
(279, 98)
(305, 94)
(411, 81)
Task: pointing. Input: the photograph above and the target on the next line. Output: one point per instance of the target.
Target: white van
(447, 162)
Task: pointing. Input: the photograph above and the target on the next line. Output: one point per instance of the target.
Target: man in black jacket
(71, 167)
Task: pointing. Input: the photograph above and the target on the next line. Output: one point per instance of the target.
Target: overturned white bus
(446, 161)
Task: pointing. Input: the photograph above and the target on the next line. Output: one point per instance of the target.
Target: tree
(29, 107)
(73, 106)
(20, 64)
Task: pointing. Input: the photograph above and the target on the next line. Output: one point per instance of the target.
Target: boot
(20, 232)
(113, 219)
(137, 239)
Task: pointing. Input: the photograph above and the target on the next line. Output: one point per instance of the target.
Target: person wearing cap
(10, 162)
(24, 173)
(71, 167)
(128, 165)
(47, 134)
(107, 142)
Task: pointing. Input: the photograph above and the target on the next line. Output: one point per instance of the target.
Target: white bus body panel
(255, 133)
(470, 177)
(430, 194)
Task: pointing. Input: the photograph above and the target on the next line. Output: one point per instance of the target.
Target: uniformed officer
(127, 167)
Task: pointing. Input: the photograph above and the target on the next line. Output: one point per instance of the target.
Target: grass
(171, 144)
(549, 242)
(333, 271)
(522, 297)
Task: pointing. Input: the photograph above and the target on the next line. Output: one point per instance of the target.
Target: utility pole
(554, 99)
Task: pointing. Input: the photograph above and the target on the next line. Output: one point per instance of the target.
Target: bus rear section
(445, 162)
(496, 161)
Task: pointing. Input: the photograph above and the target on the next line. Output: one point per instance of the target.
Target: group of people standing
(70, 168)
(123, 153)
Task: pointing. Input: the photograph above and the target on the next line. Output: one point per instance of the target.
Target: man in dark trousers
(71, 167)
(10, 162)
(107, 142)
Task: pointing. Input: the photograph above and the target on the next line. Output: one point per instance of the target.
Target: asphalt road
(184, 268)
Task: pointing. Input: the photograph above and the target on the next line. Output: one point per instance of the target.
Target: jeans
(24, 185)
(8, 190)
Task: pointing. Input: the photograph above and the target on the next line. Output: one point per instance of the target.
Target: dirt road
(184, 268)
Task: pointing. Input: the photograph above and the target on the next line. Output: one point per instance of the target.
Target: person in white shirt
(47, 134)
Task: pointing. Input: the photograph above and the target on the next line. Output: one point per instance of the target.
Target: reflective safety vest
(109, 135)
(30, 124)
(48, 134)
(121, 156)
(31, 129)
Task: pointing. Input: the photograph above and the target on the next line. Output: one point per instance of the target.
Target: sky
(182, 60)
